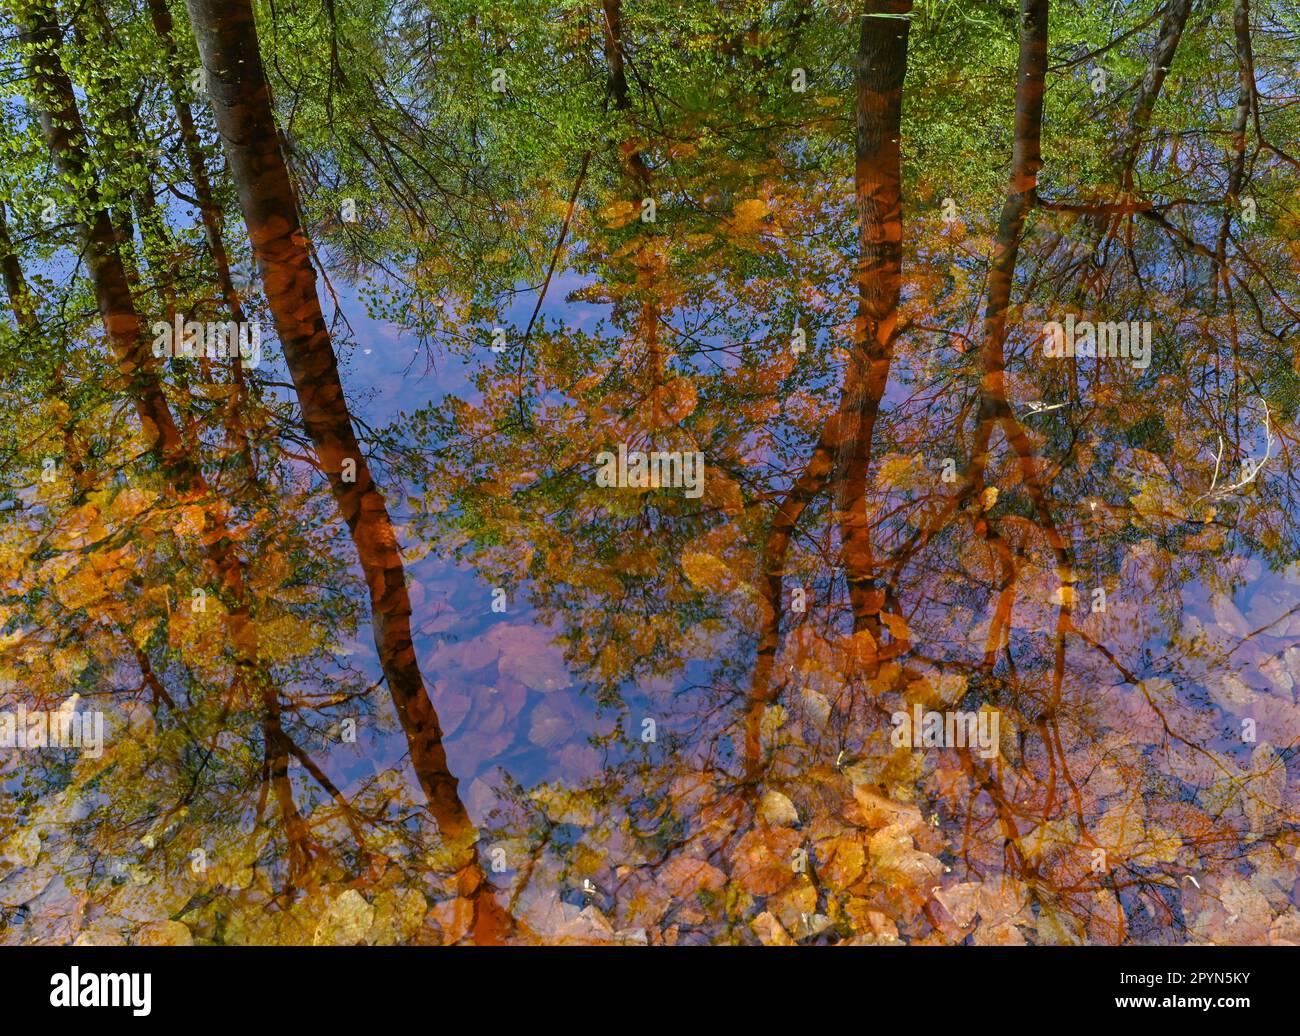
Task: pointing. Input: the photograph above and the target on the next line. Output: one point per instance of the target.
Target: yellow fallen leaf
(897, 626)
(345, 922)
(706, 572)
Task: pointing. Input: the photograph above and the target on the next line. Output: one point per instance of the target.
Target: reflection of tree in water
(687, 734)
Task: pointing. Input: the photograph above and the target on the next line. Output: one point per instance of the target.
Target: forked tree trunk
(1022, 195)
(994, 403)
(843, 450)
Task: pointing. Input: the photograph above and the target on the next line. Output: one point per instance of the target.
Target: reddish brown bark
(1026, 161)
(877, 177)
(843, 450)
(241, 102)
(994, 407)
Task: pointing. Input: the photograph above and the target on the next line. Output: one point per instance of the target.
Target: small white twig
(1250, 467)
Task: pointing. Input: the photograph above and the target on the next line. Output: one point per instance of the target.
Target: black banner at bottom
(152, 985)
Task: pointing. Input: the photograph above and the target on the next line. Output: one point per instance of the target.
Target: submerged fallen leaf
(345, 921)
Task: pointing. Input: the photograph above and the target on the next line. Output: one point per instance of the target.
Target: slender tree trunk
(1026, 161)
(209, 210)
(227, 39)
(1245, 108)
(763, 690)
(994, 406)
(20, 299)
(881, 67)
(842, 452)
(1124, 153)
(1172, 23)
(65, 135)
(612, 24)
